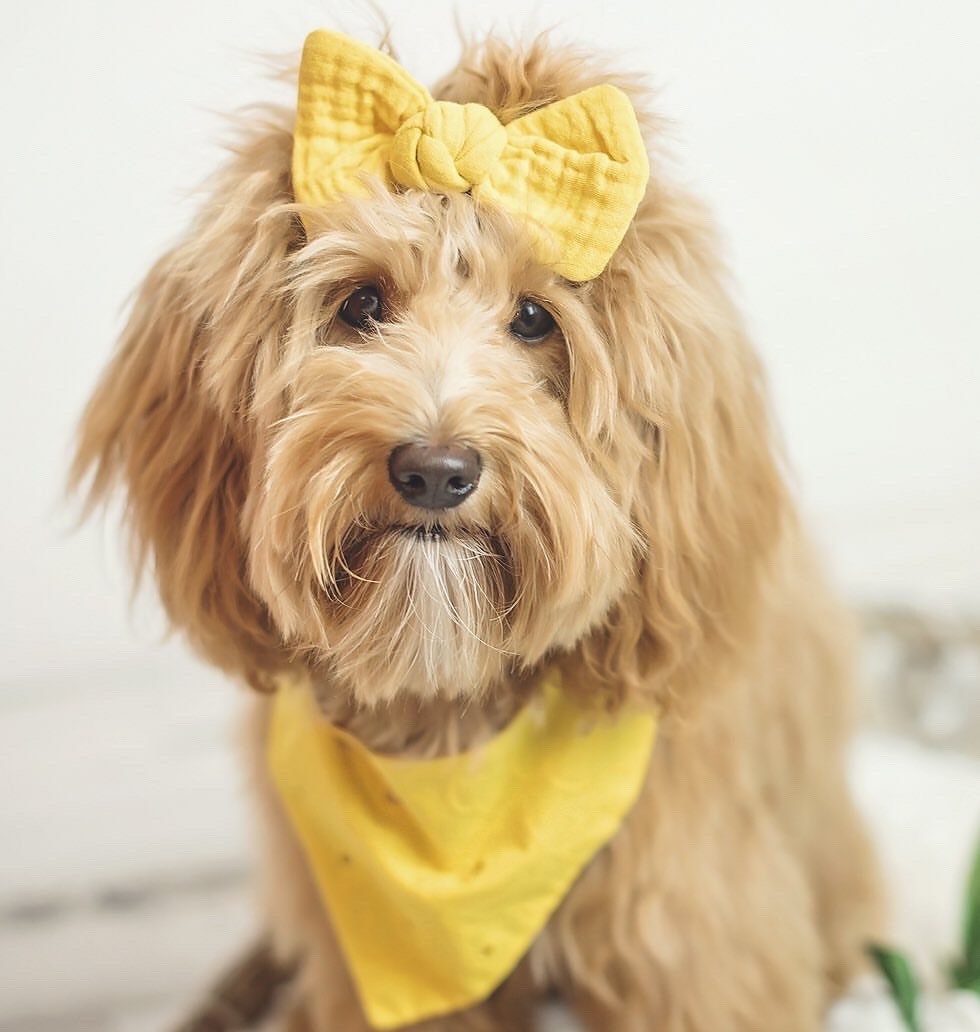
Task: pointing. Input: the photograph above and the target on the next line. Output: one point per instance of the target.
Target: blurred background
(839, 147)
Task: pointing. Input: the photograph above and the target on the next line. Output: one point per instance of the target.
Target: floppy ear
(169, 420)
(695, 451)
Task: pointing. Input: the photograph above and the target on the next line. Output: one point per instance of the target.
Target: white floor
(124, 846)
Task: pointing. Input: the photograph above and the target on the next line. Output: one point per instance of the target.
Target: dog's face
(395, 446)
(428, 508)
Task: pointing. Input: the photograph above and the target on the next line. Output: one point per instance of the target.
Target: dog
(380, 454)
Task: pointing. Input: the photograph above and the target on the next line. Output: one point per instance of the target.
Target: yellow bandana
(438, 874)
(574, 171)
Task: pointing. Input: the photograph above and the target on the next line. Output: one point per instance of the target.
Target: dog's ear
(168, 421)
(700, 469)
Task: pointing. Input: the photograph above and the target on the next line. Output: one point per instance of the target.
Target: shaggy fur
(631, 525)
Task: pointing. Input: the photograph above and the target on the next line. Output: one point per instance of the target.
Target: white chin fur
(430, 623)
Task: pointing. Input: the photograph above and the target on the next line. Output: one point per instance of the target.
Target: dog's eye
(532, 323)
(363, 307)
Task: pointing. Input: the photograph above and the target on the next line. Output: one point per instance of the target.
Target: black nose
(434, 477)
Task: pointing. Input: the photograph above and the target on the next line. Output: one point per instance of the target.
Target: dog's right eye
(363, 307)
(533, 322)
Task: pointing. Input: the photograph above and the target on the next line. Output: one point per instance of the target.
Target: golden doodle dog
(439, 429)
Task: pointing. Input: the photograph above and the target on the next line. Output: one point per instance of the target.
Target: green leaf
(901, 980)
(964, 979)
(969, 969)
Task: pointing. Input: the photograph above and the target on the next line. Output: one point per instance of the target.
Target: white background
(839, 144)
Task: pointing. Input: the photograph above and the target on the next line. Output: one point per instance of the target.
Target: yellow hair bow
(574, 170)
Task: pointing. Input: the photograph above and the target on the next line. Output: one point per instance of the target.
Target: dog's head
(394, 445)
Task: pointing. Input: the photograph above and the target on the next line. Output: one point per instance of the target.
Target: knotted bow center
(447, 147)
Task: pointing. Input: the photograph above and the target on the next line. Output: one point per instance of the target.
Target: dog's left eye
(363, 307)
(532, 323)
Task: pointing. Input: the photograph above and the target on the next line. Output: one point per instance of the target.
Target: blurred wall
(839, 144)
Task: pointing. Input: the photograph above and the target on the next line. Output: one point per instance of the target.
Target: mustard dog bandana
(438, 874)
(574, 171)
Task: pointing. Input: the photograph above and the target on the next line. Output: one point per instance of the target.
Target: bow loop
(447, 148)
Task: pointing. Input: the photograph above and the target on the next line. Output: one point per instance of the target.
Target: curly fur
(631, 525)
